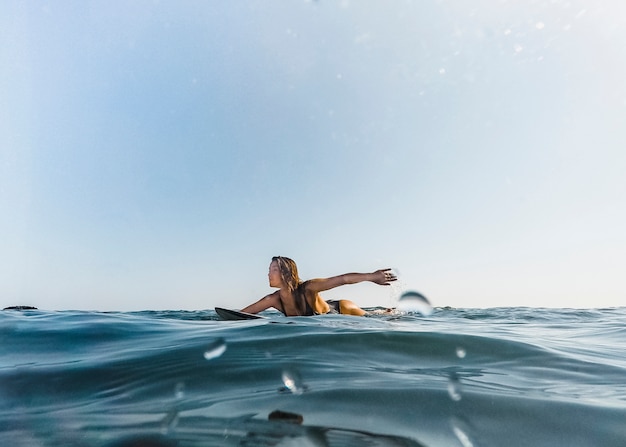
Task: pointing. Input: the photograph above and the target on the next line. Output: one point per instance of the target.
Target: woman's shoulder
(305, 286)
(273, 296)
(273, 299)
(314, 285)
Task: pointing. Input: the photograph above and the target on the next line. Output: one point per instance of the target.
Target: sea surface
(459, 377)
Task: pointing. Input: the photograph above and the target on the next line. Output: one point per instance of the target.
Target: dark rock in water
(284, 416)
(20, 308)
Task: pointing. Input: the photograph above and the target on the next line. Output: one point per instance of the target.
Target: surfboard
(229, 314)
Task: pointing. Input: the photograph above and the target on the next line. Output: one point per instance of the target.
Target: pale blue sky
(155, 155)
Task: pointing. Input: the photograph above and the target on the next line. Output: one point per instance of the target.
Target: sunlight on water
(215, 350)
(412, 301)
(293, 381)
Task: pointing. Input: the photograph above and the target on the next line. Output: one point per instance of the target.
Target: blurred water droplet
(412, 301)
(216, 349)
(169, 422)
(310, 439)
(540, 25)
(460, 352)
(179, 390)
(293, 381)
(454, 387)
(461, 431)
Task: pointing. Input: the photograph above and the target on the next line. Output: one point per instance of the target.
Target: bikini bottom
(335, 307)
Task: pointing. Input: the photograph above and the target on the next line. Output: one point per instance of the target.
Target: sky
(156, 155)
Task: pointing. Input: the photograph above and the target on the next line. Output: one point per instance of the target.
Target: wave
(468, 377)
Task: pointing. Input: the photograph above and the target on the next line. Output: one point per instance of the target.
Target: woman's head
(288, 272)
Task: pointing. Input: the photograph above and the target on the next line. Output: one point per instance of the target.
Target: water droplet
(461, 430)
(216, 349)
(169, 422)
(412, 301)
(395, 288)
(518, 48)
(293, 381)
(442, 71)
(454, 388)
(460, 352)
(540, 25)
(179, 390)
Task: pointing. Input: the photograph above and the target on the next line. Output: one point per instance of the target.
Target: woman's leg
(347, 307)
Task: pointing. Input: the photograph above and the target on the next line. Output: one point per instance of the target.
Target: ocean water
(459, 377)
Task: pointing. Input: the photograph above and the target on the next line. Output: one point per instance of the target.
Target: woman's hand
(383, 277)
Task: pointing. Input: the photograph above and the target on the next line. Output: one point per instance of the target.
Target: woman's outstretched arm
(271, 300)
(383, 277)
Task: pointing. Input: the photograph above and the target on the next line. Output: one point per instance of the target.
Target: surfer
(296, 297)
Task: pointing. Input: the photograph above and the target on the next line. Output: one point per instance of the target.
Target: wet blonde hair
(289, 274)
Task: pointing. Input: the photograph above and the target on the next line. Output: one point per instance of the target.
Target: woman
(296, 297)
